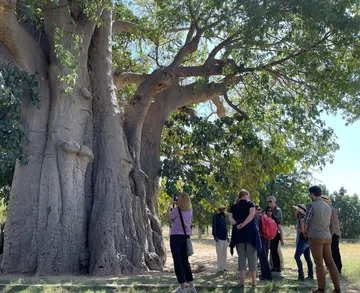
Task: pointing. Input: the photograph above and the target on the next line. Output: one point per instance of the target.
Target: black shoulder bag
(189, 247)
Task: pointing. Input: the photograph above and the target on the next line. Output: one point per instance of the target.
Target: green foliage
(348, 208)
(289, 191)
(68, 57)
(13, 82)
(3, 210)
(297, 60)
(13, 133)
(213, 160)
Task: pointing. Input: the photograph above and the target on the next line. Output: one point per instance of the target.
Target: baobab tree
(85, 199)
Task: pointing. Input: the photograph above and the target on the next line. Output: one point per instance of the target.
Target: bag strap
(182, 221)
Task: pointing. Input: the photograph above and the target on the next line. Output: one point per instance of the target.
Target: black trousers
(336, 252)
(181, 260)
(274, 251)
(264, 259)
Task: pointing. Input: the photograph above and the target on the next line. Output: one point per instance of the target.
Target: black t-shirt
(276, 220)
(240, 211)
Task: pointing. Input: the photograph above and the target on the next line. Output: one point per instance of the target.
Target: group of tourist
(255, 233)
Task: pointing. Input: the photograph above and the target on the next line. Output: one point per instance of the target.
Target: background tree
(348, 208)
(289, 190)
(86, 201)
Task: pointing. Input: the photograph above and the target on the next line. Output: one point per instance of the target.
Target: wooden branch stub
(221, 111)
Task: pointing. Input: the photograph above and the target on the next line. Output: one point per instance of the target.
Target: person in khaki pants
(220, 233)
(317, 229)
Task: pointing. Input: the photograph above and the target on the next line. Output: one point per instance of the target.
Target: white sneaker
(180, 290)
(191, 289)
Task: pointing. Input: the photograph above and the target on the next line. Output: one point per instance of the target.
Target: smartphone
(174, 201)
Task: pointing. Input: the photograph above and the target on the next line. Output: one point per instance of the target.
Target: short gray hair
(272, 197)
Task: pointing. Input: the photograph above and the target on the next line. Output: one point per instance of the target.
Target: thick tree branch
(120, 26)
(188, 110)
(216, 68)
(226, 97)
(121, 79)
(216, 50)
(189, 47)
(60, 13)
(25, 50)
(297, 53)
(221, 111)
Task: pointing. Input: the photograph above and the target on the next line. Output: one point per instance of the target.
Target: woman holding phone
(178, 241)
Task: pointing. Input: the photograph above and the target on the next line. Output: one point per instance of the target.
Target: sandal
(316, 290)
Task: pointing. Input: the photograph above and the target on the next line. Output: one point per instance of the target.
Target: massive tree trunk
(66, 215)
(121, 236)
(87, 200)
(21, 239)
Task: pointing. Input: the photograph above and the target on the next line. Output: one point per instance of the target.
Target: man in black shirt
(220, 233)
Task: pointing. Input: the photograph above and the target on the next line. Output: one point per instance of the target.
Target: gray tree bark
(66, 215)
(87, 200)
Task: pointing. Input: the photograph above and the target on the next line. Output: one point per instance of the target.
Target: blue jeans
(302, 247)
(181, 260)
(264, 259)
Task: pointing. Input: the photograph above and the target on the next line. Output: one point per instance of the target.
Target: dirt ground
(204, 258)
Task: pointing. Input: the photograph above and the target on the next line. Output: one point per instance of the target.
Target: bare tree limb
(216, 50)
(121, 79)
(188, 110)
(190, 35)
(216, 68)
(295, 54)
(125, 27)
(221, 111)
(21, 45)
(226, 97)
(189, 47)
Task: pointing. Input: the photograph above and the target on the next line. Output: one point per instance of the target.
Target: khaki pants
(321, 251)
(221, 252)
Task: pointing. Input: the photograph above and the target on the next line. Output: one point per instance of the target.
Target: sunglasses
(270, 201)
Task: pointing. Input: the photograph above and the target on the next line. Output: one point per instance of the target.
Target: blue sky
(345, 171)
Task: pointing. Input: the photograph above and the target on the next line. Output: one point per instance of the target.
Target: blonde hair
(184, 202)
(241, 194)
